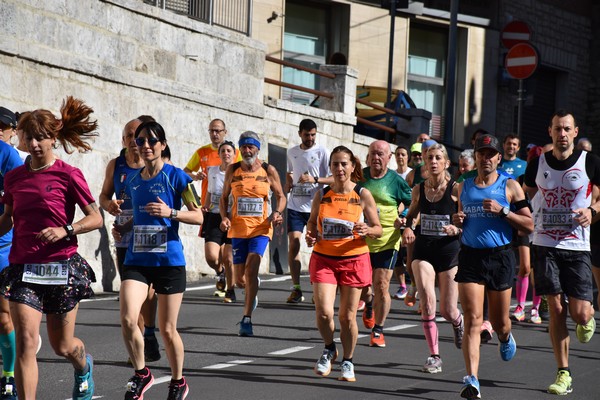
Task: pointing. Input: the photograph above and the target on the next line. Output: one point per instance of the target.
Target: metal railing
(317, 93)
(231, 14)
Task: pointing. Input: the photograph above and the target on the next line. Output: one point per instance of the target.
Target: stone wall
(125, 58)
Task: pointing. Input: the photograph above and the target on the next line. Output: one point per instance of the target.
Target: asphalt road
(277, 363)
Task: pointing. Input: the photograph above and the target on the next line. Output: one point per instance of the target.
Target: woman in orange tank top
(341, 256)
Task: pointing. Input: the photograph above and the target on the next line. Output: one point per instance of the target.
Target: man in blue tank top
(490, 206)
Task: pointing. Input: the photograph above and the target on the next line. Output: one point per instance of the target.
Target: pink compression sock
(431, 333)
(522, 287)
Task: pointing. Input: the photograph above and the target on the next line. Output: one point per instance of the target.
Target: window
(426, 72)
(313, 31)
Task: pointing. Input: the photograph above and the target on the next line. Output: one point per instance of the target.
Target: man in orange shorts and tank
(249, 182)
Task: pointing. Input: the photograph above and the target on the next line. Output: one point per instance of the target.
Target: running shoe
(8, 388)
(245, 328)
(221, 283)
(544, 309)
(459, 332)
(178, 391)
(470, 389)
(507, 349)
(401, 293)
(377, 339)
(519, 313)
(229, 296)
(138, 385)
(83, 389)
(535, 318)
(295, 297)
(361, 305)
(323, 366)
(411, 296)
(347, 372)
(151, 351)
(368, 318)
(585, 332)
(433, 365)
(487, 332)
(562, 384)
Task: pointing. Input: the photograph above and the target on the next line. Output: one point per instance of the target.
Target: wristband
(316, 178)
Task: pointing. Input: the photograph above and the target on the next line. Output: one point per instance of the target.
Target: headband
(249, 140)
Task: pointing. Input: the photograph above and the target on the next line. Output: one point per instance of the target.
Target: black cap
(8, 117)
(488, 142)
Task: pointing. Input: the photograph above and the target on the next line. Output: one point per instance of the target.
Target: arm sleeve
(531, 172)
(592, 166)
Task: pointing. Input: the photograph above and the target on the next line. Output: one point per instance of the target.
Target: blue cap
(427, 144)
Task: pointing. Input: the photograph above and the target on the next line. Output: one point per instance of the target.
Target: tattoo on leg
(79, 352)
(59, 321)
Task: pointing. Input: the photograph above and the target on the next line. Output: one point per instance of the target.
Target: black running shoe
(138, 385)
(178, 391)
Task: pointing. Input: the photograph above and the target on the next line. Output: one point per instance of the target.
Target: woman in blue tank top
(155, 257)
(490, 207)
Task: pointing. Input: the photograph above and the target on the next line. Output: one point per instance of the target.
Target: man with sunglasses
(197, 168)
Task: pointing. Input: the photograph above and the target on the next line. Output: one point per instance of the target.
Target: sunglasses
(140, 141)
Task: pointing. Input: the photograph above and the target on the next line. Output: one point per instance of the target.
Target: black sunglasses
(140, 141)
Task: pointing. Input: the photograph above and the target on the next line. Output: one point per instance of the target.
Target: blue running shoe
(470, 389)
(507, 349)
(245, 328)
(84, 384)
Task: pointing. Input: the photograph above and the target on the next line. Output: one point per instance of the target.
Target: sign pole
(388, 98)
(520, 101)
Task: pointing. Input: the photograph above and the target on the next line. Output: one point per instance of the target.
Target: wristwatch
(316, 178)
(173, 213)
(594, 212)
(70, 230)
(504, 212)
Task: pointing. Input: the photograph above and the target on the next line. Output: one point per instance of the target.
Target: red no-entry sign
(515, 32)
(521, 61)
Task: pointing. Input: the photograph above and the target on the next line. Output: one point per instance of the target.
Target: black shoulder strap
(358, 188)
(265, 166)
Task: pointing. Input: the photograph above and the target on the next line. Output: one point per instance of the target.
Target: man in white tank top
(560, 185)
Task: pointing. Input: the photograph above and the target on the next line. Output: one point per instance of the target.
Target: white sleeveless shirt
(559, 193)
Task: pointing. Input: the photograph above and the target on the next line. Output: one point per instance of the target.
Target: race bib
(303, 189)
(335, 229)
(54, 273)
(215, 199)
(250, 207)
(431, 225)
(557, 219)
(121, 219)
(149, 239)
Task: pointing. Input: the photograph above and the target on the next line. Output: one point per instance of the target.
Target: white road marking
(290, 350)
(228, 364)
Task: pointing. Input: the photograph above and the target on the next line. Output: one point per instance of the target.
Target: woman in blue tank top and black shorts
(490, 206)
